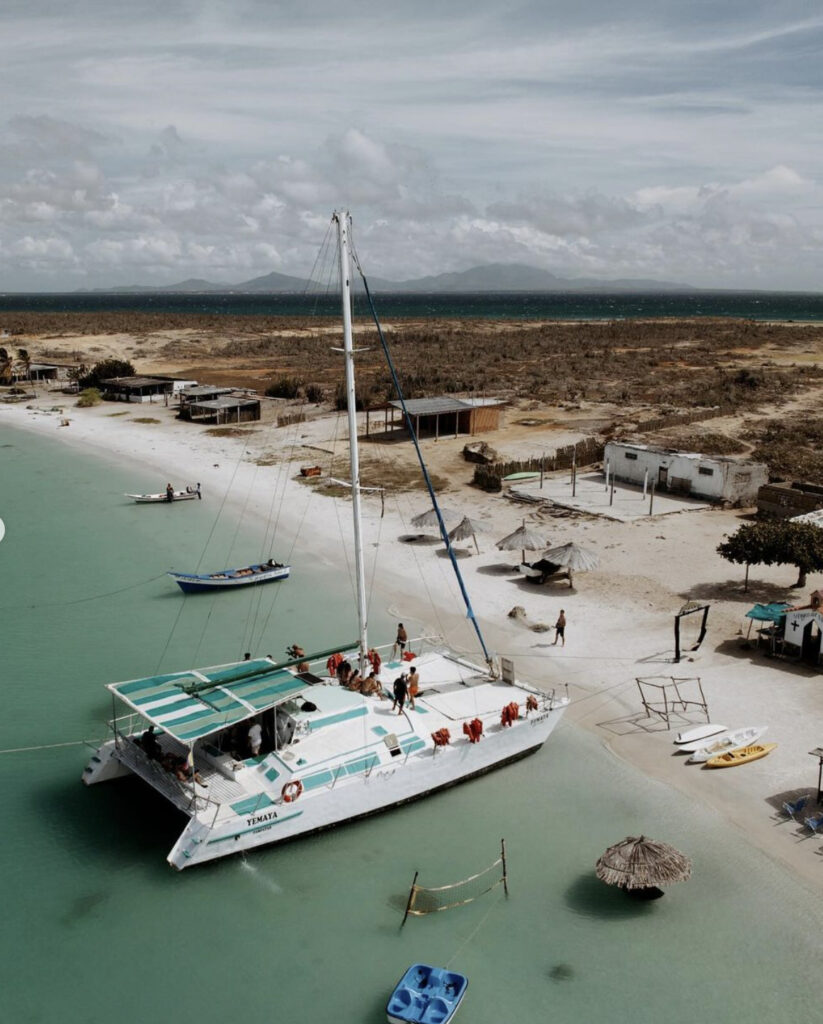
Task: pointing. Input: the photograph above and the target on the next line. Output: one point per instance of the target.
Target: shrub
(105, 370)
(89, 397)
(314, 394)
(284, 387)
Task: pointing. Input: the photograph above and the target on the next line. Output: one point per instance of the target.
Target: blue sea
(786, 306)
(97, 928)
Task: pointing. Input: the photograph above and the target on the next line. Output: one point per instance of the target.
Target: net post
(505, 874)
(409, 900)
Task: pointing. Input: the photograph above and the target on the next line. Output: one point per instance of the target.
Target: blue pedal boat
(426, 995)
(249, 575)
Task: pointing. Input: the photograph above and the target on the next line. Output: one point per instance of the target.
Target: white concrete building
(715, 478)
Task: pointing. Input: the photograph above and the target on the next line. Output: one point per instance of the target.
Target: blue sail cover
(189, 705)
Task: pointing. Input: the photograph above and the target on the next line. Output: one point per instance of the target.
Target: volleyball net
(426, 899)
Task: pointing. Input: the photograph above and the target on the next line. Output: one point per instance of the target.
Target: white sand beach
(620, 616)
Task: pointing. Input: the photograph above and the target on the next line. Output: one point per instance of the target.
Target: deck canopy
(190, 705)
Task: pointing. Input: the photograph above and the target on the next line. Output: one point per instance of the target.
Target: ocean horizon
(748, 305)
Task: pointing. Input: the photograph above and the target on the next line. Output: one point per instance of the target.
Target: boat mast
(342, 218)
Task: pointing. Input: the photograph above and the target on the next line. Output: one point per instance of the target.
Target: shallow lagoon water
(97, 927)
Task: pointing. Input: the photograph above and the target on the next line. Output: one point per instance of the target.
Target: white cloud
(653, 139)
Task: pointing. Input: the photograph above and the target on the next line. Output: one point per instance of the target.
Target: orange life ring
(291, 791)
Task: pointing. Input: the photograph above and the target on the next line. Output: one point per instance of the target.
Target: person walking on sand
(560, 629)
(400, 640)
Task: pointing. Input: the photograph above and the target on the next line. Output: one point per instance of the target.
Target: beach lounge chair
(794, 807)
(815, 823)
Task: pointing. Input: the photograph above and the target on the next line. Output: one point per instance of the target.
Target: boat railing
(181, 794)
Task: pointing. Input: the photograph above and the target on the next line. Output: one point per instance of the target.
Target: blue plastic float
(426, 995)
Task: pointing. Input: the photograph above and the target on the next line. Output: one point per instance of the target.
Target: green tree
(104, 371)
(776, 543)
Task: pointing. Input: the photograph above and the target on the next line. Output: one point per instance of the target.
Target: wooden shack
(441, 416)
(138, 389)
(225, 409)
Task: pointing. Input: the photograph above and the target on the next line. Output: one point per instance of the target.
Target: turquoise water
(96, 927)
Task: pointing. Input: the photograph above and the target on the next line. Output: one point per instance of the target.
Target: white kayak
(699, 733)
(727, 741)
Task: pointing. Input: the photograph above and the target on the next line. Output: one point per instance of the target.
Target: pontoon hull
(386, 787)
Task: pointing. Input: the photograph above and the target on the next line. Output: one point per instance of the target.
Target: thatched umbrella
(524, 538)
(572, 557)
(642, 865)
(467, 528)
(429, 518)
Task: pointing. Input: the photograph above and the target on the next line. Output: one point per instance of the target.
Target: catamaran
(259, 751)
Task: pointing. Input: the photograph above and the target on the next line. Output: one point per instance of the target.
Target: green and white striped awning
(189, 705)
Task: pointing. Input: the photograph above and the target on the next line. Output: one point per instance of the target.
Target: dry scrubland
(596, 377)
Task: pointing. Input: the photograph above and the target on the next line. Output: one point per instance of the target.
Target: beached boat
(189, 494)
(426, 995)
(740, 756)
(727, 741)
(327, 754)
(249, 575)
(699, 733)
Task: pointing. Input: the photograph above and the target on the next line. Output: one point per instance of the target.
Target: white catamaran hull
(215, 831)
(385, 787)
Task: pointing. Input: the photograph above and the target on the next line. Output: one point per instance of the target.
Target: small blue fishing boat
(426, 995)
(249, 575)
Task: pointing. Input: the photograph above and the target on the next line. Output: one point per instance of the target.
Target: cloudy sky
(155, 140)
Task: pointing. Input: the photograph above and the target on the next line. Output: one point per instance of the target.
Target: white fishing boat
(189, 494)
(727, 741)
(327, 754)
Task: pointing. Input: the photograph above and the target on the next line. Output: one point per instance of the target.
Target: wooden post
(541, 471)
(645, 482)
(505, 873)
(746, 582)
(608, 467)
(611, 493)
(411, 897)
(574, 481)
(651, 499)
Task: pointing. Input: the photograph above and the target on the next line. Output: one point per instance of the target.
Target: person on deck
(401, 639)
(255, 738)
(148, 741)
(399, 689)
(413, 684)
(344, 673)
(169, 492)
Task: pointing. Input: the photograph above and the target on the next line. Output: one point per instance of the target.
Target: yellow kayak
(741, 755)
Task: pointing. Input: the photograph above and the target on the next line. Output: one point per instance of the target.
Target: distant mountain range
(494, 277)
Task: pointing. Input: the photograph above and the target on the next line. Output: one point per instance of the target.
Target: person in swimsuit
(560, 629)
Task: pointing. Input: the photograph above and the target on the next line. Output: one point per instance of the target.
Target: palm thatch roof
(572, 556)
(429, 518)
(640, 863)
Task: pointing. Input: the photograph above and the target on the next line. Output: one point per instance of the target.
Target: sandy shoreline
(620, 616)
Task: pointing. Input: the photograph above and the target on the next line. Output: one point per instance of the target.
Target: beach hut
(640, 866)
